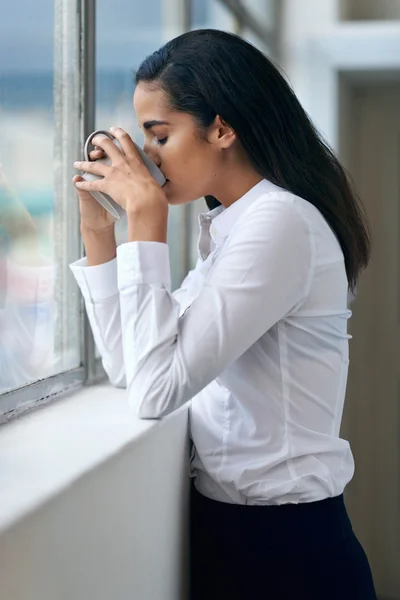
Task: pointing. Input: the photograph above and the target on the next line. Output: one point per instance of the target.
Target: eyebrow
(149, 124)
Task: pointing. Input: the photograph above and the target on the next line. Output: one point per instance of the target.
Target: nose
(152, 153)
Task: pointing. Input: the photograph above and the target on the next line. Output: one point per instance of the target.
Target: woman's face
(189, 163)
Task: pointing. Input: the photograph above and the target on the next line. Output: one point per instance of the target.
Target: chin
(174, 198)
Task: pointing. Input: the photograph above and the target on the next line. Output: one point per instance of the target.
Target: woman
(257, 333)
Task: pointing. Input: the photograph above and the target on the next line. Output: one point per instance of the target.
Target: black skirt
(289, 552)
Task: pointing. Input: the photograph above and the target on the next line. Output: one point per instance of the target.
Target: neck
(232, 190)
(235, 181)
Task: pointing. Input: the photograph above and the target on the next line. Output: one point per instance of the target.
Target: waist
(304, 525)
(292, 481)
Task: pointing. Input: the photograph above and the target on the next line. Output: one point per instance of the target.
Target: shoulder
(282, 213)
(278, 213)
(284, 204)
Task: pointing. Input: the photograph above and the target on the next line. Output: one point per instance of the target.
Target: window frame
(93, 370)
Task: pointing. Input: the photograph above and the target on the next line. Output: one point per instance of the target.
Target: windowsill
(45, 451)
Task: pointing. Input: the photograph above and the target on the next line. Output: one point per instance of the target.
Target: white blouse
(256, 336)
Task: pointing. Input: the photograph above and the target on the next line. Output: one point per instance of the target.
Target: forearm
(100, 247)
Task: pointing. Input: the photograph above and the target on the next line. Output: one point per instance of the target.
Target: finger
(83, 194)
(108, 146)
(90, 186)
(127, 145)
(76, 179)
(92, 167)
(96, 154)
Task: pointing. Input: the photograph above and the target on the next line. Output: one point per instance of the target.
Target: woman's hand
(94, 218)
(127, 180)
(129, 183)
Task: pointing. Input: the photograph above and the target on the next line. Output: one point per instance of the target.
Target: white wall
(119, 532)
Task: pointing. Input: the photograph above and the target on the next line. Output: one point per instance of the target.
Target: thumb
(83, 194)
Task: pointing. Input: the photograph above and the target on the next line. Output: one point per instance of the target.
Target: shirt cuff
(98, 282)
(143, 262)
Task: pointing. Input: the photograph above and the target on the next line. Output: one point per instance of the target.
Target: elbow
(151, 407)
(116, 377)
(147, 412)
(152, 401)
(118, 383)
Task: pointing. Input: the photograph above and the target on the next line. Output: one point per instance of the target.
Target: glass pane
(126, 33)
(38, 237)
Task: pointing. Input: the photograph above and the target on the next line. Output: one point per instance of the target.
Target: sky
(127, 30)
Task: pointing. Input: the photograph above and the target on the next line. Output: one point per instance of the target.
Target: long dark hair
(207, 72)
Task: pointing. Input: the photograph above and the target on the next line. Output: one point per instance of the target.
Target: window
(70, 74)
(39, 123)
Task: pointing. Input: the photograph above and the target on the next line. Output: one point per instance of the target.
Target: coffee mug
(104, 199)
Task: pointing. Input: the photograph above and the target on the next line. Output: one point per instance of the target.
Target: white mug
(104, 199)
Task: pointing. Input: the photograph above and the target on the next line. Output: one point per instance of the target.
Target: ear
(222, 134)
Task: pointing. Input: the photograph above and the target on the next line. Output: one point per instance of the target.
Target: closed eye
(162, 141)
